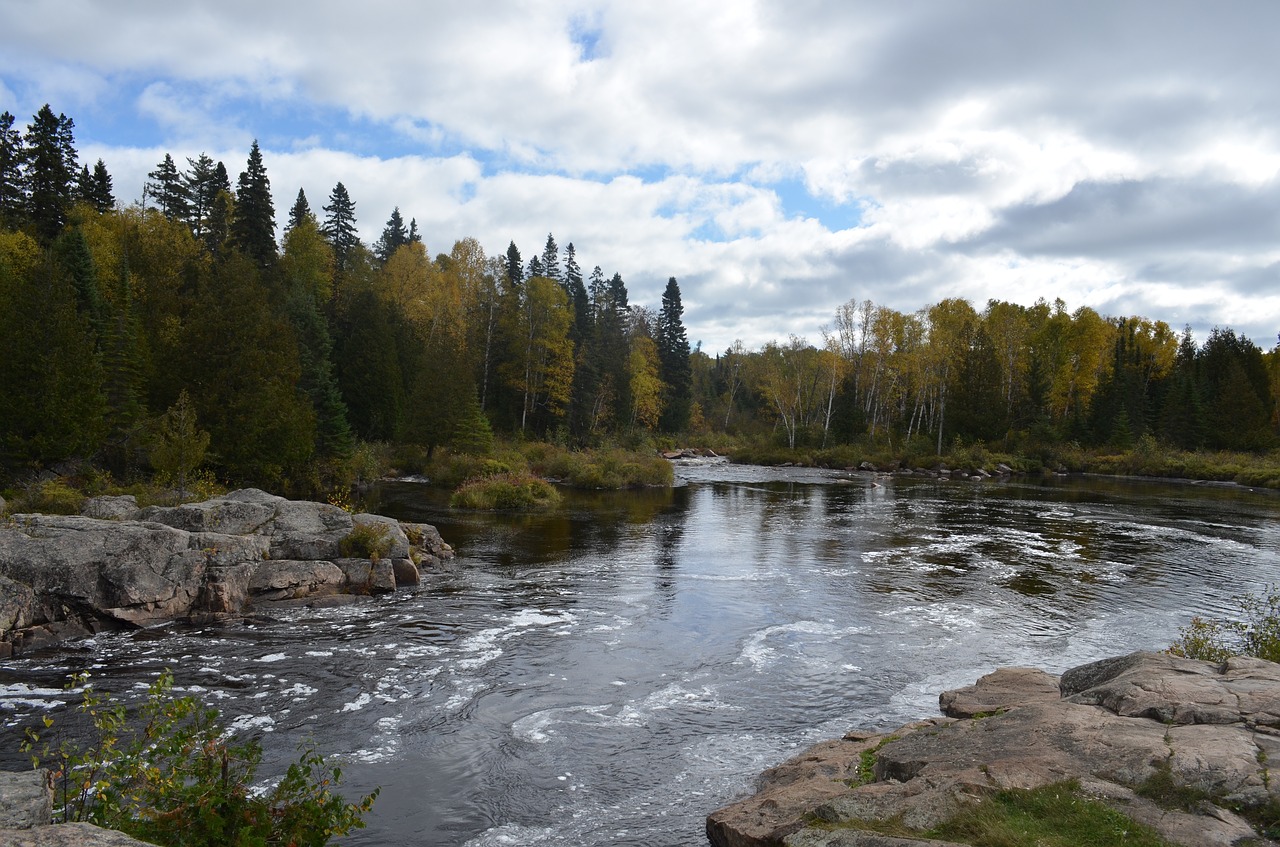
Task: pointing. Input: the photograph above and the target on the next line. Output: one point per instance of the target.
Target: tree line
(293, 349)
(290, 350)
(1011, 375)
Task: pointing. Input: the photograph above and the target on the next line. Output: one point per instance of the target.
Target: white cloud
(1118, 154)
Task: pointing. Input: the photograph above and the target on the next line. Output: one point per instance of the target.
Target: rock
(295, 580)
(123, 507)
(70, 576)
(406, 572)
(1003, 470)
(399, 540)
(68, 835)
(998, 691)
(25, 799)
(238, 513)
(3, 505)
(1112, 725)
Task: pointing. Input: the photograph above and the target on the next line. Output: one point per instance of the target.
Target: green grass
(1053, 816)
(511, 492)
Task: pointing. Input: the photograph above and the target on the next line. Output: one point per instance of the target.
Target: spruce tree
(201, 182)
(253, 225)
(340, 225)
(300, 212)
(50, 171)
(100, 193)
(550, 260)
(414, 236)
(515, 266)
(673, 361)
(12, 199)
(169, 191)
(535, 268)
(394, 236)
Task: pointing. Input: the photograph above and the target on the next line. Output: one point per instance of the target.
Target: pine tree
(535, 268)
(515, 266)
(100, 193)
(394, 236)
(179, 444)
(340, 225)
(50, 171)
(202, 184)
(12, 199)
(253, 225)
(300, 212)
(551, 260)
(167, 187)
(414, 236)
(673, 358)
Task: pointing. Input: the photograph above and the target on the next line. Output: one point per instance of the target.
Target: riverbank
(116, 566)
(1177, 745)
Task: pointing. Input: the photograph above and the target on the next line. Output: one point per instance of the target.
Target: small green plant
(172, 775)
(506, 492)
(1055, 815)
(366, 541)
(1254, 632)
(51, 497)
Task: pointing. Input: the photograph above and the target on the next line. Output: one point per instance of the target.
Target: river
(609, 674)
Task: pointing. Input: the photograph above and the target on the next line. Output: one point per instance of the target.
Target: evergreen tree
(551, 260)
(99, 193)
(253, 224)
(515, 266)
(202, 184)
(340, 225)
(414, 236)
(535, 268)
(217, 231)
(167, 187)
(179, 444)
(394, 236)
(300, 212)
(673, 360)
(50, 171)
(12, 199)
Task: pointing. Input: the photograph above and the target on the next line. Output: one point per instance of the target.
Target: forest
(186, 319)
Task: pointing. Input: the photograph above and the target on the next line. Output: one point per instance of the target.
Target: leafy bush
(506, 492)
(1255, 632)
(50, 497)
(366, 541)
(173, 776)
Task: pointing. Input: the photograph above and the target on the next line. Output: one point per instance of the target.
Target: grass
(509, 492)
(1055, 815)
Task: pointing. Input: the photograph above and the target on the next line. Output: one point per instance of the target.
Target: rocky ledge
(1118, 725)
(118, 567)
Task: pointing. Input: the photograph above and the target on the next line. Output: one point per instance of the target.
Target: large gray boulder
(1113, 726)
(69, 576)
(25, 799)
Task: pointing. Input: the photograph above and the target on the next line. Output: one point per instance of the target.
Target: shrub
(506, 492)
(172, 775)
(51, 497)
(366, 541)
(1255, 632)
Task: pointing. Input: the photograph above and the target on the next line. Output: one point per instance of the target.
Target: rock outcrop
(69, 576)
(26, 808)
(1116, 726)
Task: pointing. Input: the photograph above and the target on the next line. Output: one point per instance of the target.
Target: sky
(778, 157)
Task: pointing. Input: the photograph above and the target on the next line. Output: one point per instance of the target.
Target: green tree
(49, 174)
(340, 225)
(550, 265)
(169, 190)
(179, 444)
(394, 236)
(99, 192)
(201, 183)
(12, 154)
(515, 266)
(673, 356)
(540, 367)
(253, 223)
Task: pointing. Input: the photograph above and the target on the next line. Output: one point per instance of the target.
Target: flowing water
(610, 674)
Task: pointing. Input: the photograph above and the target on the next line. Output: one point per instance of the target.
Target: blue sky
(778, 158)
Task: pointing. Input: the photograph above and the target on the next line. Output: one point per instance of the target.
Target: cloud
(778, 158)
